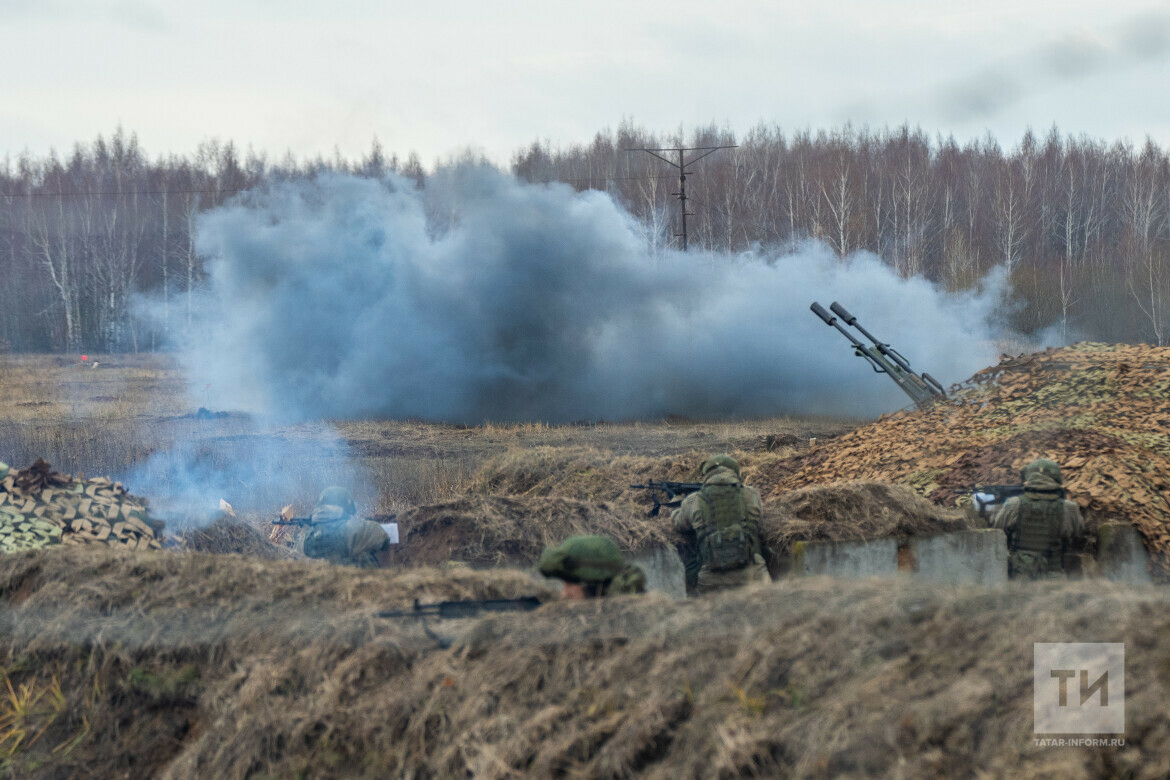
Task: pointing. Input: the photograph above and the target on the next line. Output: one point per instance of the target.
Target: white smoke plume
(482, 298)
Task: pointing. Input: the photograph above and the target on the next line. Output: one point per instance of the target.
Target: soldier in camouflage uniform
(591, 567)
(725, 519)
(1040, 525)
(338, 536)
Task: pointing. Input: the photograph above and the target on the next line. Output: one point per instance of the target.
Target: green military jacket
(1072, 524)
(343, 539)
(1036, 561)
(689, 516)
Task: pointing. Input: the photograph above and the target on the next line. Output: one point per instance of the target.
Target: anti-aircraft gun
(923, 389)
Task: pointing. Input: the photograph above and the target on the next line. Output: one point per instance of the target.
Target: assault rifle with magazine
(449, 610)
(671, 490)
(464, 609)
(306, 521)
(989, 498)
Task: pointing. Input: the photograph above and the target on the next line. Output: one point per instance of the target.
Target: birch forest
(1080, 225)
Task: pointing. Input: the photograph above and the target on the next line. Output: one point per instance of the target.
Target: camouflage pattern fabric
(715, 581)
(1040, 488)
(1029, 565)
(339, 537)
(689, 519)
(629, 581)
(585, 558)
(719, 461)
(594, 561)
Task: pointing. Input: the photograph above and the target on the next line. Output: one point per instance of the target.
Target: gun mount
(923, 389)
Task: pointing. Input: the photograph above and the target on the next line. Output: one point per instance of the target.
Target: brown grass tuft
(852, 511)
(495, 531)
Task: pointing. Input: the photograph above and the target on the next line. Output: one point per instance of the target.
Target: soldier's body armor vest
(328, 541)
(1038, 529)
(723, 542)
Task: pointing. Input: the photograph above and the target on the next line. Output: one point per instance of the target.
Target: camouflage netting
(1099, 410)
(39, 507)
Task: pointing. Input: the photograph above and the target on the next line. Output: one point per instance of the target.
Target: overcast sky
(439, 76)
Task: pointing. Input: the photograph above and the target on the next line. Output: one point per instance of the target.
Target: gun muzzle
(819, 310)
(840, 311)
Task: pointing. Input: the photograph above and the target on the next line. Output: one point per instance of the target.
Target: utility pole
(682, 166)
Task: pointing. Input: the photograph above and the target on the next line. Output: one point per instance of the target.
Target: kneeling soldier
(724, 516)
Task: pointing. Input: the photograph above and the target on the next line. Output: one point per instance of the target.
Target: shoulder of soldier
(1006, 513)
(751, 492)
(631, 580)
(689, 504)
(360, 525)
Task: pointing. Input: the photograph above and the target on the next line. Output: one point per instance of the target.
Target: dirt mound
(40, 507)
(1099, 410)
(180, 666)
(854, 511)
(592, 475)
(227, 535)
(514, 530)
(574, 472)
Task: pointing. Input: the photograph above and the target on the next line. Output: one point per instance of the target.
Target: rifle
(671, 489)
(460, 609)
(306, 521)
(923, 389)
(988, 497)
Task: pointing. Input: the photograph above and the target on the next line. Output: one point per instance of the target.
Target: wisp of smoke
(483, 298)
(1143, 38)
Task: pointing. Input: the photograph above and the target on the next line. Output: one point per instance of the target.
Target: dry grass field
(180, 663)
(178, 666)
(132, 416)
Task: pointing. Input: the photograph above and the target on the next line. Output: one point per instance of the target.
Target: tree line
(1080, 226)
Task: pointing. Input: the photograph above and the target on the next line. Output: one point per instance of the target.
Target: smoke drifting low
(482, 298)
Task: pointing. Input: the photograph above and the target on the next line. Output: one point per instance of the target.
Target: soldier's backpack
(1038, 532)
(723, 543)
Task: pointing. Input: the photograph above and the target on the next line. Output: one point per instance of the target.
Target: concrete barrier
(976, 557)
(1122, 555)
(873, 558)
(664, 571)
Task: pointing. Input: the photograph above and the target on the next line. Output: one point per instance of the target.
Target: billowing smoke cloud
(482, 298)
(255, 468)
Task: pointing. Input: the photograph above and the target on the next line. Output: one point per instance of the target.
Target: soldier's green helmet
(582, 559)
(1042, 466)
(715, 461)
(339, 497)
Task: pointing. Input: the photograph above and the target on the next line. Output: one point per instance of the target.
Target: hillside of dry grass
(214, 666)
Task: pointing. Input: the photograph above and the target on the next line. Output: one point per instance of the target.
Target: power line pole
(682, 166)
